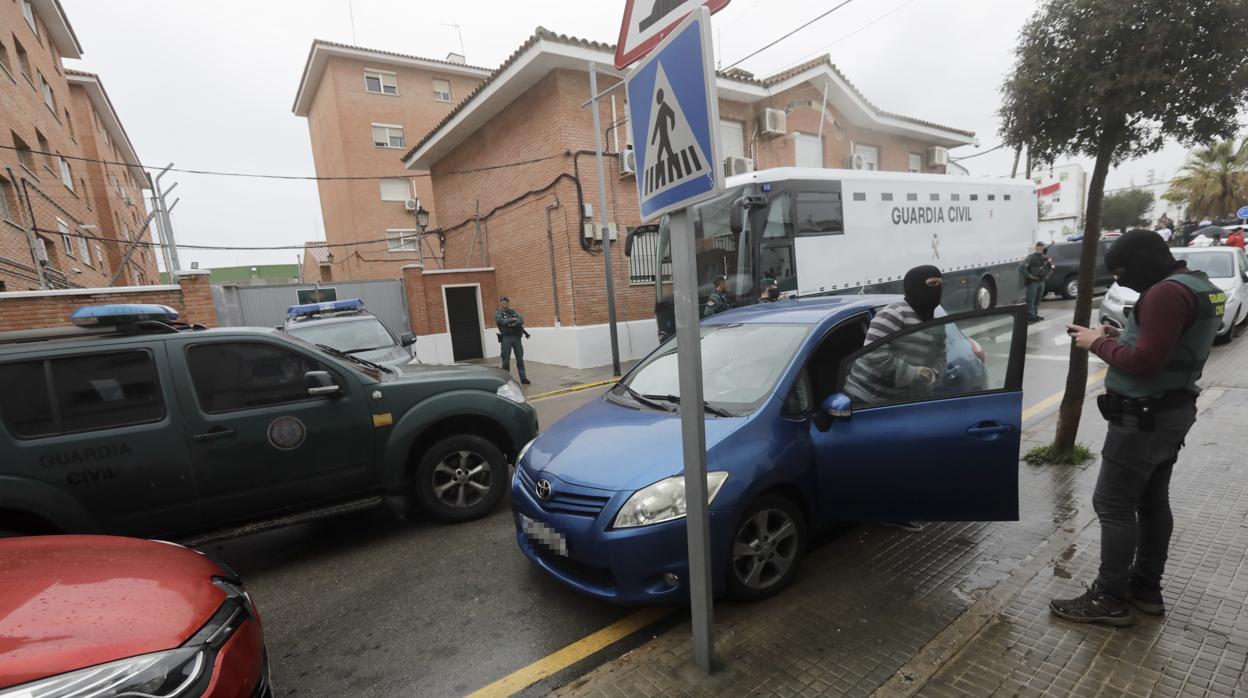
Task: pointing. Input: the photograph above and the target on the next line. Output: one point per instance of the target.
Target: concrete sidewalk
(961, 608)
(549, 378)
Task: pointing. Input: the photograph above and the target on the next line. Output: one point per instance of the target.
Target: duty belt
(1143, 410)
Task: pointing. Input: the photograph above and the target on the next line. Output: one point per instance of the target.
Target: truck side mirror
(321, 383)
(407, 339)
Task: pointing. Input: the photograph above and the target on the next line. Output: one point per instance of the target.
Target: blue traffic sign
(674, 114)
(1242, 214)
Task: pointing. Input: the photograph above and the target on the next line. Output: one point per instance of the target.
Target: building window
(381, 82)
(441, 90)
(395, 189)
(24, 156)
(23, 59)
(866, 157)
(29, 13)
(46, 89)
(4, 60)
(66, 240)
(732, 136)
(643, 262)
(69, 123)
(86, 193)
(6, 208)
(387, 136)
(84, 250)
(99, 258)
(402, 240)
(67, 175)
(916, 162)
(807, 150)
(46, 151)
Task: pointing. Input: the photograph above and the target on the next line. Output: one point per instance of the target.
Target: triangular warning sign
(673, 155)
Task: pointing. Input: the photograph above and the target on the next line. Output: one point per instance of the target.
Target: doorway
(463, 321)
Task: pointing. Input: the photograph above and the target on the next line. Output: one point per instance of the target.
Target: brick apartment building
(363, 108)
(65, 222)
(520, 230)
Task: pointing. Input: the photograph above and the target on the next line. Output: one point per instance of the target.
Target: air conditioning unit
(773, 122)
(628, 163)
(856, 162)
(734, 165)
(593, 231)
(937, 156)
(412, 204)
(41, 250)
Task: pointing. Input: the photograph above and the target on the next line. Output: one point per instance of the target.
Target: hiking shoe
(525, 381)
(1146, 600)
(1095, 606)
(911, 526)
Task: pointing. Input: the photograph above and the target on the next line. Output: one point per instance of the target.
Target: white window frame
(388, 131)
(732, 132)
(438, 96)
(66, 241)
(28, 11)
(84, 251)
(404, 237)
(382, 76)
(915, 158)
(99, 257)
(67, 174)
(864, 150)
(394, 182)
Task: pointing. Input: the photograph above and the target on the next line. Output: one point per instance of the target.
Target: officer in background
(510, 335)
(1150, 404)
(719, 300)
(1037, 269)
(770, 292)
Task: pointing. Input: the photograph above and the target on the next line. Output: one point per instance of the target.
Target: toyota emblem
(542, 490)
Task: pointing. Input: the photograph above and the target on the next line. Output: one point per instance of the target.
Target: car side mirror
(321, 383)
(838, 406)
(407, 339)
(1245, 275)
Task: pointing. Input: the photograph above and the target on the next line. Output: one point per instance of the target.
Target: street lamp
(422, 219)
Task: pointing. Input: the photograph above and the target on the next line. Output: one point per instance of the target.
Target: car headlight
(663, 501)
(168, 674)
(511, 391)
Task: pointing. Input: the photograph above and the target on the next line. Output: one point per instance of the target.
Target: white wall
(584, 346)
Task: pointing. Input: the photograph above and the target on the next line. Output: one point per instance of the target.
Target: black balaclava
(1142, 259)
(919, 295)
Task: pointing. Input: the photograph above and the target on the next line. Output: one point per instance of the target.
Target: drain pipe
(550, 243)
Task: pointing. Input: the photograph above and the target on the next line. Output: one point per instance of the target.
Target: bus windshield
(718, 252)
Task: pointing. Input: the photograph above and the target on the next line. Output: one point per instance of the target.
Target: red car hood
(69, 602)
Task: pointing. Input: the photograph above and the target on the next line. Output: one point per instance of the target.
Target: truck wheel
(766, 548)
(460, 478)
(985, 295)
(1070, 287)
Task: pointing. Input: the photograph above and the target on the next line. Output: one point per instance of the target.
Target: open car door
(927, 423)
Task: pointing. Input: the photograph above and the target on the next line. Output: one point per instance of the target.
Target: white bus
(819, 232)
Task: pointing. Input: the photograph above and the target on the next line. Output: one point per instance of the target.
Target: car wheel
(1070, 288)
(985, 295)
(768, 545)
(460, 478)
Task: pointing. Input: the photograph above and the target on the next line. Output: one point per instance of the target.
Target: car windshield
(740, 365)
(363, 334)
(1217, 265)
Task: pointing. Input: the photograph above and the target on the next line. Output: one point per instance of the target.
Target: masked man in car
(908, 368)
(1150, 404)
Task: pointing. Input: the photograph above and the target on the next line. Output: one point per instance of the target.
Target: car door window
(80, 393)
(967, 354)
(232, 376)
(797, 404)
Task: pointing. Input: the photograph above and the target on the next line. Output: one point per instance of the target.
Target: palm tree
(1214, 181)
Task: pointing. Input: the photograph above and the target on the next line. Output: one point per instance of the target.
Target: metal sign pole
(602, 215)
(693, 435)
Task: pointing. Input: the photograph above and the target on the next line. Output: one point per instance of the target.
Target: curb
(573, 389)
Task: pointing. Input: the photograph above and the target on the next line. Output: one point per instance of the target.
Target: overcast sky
(208, 84)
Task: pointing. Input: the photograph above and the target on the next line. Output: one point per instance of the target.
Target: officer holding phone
(1150, 404)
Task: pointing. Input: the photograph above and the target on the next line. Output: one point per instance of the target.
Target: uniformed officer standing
(510, 334)
(1037, 269)
(1150, 404)
(719, 300)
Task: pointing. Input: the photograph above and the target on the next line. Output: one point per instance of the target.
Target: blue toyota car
(804, 427)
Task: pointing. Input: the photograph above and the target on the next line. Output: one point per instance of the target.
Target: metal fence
(265, 306)
(642, 262)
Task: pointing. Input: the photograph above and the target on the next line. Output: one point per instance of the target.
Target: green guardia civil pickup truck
(133, 424)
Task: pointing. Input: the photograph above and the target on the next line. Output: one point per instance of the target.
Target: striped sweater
(889, 374)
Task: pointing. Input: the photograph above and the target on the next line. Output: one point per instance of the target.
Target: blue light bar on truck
(310, 309)
(125, 313)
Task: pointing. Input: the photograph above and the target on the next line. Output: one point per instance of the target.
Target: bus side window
(779, 219)
(820, 213)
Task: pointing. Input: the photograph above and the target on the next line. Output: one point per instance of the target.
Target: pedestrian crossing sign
(674, 115)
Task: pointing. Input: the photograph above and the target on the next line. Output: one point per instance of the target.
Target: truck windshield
(740, 365)
(364, 334)
(719, 252)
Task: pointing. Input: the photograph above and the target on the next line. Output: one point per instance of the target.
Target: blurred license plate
(542, 534)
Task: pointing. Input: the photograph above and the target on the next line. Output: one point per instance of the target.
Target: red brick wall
(193, 301)
(426, 304)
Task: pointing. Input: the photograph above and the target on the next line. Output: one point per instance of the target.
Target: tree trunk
(1071, 410)
(1018, 154)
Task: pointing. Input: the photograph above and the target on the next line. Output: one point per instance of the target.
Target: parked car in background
(1065, 278)
(599, 498)
(346, 326)
(135, 425)
(1227, 268)
(97, 617)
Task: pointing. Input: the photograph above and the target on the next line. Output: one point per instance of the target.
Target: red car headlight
(172, 674)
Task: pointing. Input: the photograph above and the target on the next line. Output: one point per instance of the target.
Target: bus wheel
(986, 294)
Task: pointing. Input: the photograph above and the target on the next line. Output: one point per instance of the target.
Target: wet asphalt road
(372, 605)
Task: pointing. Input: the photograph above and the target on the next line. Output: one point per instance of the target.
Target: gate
(265, 306)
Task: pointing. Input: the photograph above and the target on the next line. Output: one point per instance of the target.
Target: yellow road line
(562, 659)
(573, 389)
(1055, 398)
(573, 653)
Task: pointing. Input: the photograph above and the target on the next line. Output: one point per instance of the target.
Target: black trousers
(1132, 498)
